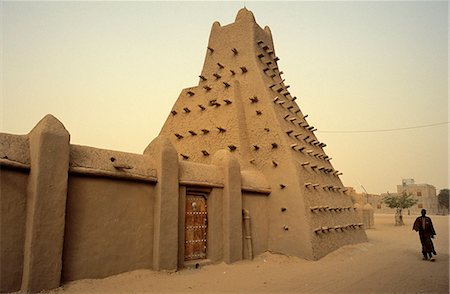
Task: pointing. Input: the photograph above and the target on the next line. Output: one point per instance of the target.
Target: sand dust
(390, 262)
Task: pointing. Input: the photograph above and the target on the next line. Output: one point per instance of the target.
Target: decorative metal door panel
(196, 227)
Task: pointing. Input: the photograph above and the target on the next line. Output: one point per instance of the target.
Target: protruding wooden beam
(205, 131)
(253, 99)
(227, 101)
(179, 136)
(184, 156)
(232, 72)
(274, 163)
(173, 112)
(187, 110)
(274, 145)
(207, 88)
(243, 69)
(258, 112)
(304, 163)
(211, 50)
(202, 78)
(232, 147)
(220, 65)
(282, 186)
(217, 76)
(235, 51)
(226, 84)
(205, 153)
(221, 130)
(201, 107)
(193, 133)
(256, 147)
(190, 93)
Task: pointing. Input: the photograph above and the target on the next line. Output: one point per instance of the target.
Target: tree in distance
(443, 198)
(399, 202)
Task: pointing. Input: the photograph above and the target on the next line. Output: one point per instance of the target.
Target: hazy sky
(111, 71)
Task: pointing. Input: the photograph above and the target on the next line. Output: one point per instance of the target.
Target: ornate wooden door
(196, 227)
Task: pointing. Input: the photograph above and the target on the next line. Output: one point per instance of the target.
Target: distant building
(424, 193)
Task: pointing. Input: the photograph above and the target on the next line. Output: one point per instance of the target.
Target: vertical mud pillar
(232, 205)
(46, 205)
(165, 238)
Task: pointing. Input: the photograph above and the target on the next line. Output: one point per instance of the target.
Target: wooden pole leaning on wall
(46, 205)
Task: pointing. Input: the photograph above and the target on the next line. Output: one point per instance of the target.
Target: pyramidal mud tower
(243, 104)
(236, 171)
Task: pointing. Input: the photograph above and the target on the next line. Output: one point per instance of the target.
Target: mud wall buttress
(165, 237)
(46, 205)
(232, 205)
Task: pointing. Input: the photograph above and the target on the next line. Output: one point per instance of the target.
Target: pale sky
(111, 71)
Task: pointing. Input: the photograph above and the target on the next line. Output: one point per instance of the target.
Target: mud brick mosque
(236, 171)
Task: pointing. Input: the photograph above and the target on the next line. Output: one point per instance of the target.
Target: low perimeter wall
(71, 212)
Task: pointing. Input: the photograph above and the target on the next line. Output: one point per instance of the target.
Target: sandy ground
(390, 262)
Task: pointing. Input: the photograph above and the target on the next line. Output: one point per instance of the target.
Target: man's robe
(424, 226)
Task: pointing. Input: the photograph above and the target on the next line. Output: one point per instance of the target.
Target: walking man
(424, 226)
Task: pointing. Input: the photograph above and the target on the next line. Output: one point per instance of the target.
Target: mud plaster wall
(257, 205)
(109, 227)
(13, 185)
(110, 210)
